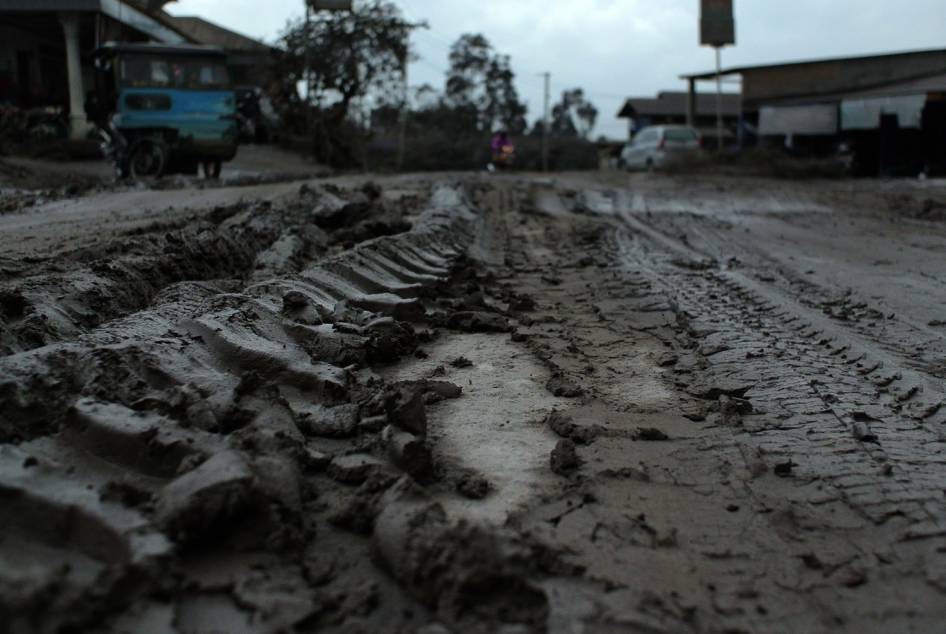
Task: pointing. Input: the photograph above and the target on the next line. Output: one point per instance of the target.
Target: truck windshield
(187, 73)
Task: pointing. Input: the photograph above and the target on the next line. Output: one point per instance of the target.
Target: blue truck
(164, 109)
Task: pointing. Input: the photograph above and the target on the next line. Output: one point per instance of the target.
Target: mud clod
(565, 426)
(408, 452)
(650, 434)
(355, 468)
(560, 385)
(473, 486)
(195, 504)
(487, 583)
(478, 321)
(461, 362)
(406, 408)
(564, 459)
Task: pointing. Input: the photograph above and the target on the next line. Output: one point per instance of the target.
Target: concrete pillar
(78, 122)
(691, 103)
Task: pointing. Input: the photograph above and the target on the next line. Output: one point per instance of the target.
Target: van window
(648, 135)
(680, 134)
(186, 73)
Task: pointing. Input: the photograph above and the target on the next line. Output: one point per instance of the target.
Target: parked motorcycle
(504, 159)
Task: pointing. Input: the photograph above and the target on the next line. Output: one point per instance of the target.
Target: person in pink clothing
(502, 150)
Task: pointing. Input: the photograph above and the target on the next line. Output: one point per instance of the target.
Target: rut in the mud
(58, 300)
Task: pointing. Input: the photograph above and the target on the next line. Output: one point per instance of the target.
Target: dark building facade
(890, 108)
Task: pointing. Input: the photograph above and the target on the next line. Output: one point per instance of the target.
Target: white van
(654, 145)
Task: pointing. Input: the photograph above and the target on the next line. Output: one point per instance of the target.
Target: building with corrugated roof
(891, 107)
(670, 108)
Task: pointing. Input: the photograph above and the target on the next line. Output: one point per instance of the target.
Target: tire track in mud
(833, 413)
(62, 298)
(228, 461)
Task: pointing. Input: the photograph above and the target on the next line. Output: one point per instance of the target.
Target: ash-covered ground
(469, 403)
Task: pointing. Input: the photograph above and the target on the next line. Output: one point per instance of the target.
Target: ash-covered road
(587, 403)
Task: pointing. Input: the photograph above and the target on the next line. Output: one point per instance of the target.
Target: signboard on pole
(331, 5)
(717, 23)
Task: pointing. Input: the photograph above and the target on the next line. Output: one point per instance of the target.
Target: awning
(864, 114)
(151, 25)
(818, 119)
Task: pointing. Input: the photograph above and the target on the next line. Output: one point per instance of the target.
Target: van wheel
(147, 159)
(212, 169)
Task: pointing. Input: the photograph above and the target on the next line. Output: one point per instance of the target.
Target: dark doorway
(934, 135)
(24, 78)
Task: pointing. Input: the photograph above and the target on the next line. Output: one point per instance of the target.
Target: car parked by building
(653, 146)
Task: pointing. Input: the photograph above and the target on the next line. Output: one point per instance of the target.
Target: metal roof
(135, 14)
(669, 103)
(735, 70)
(200, 30)
(164, 49)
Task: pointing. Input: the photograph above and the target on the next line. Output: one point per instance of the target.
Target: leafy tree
(573, 116)
(482, 80)
(350, 55)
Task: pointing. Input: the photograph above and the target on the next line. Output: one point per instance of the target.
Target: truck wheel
(147, 159)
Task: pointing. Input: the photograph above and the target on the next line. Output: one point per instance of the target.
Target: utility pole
(545, 122)
(719, 98)
(308, 71)
(405, 108)
(405, 95)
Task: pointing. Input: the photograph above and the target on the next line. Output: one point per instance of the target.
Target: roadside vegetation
(353, 117)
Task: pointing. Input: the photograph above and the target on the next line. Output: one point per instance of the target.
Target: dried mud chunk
(405, 407)
(199, 501)
(327, 422)
(354, 468)
(522, 303)
(565, 426)
(407, 451)
(564, 459)
(732, 409)
(478, 321)
(389, 340)
(461, 362)
(651, 434)
(560, 385)
(477, 579)
(473, 486)
(442, 390)
(358, 511)
(784, 469)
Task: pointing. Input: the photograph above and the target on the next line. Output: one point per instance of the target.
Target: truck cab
(164, 109)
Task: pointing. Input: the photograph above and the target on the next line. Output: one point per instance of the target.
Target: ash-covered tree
(350, 55)
(573, 116)
(481, 82)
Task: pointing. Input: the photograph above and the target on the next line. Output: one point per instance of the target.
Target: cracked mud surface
(468, 404)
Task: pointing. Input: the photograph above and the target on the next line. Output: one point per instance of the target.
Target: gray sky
(619, 48)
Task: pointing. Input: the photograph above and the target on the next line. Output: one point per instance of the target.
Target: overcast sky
(619, 48)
